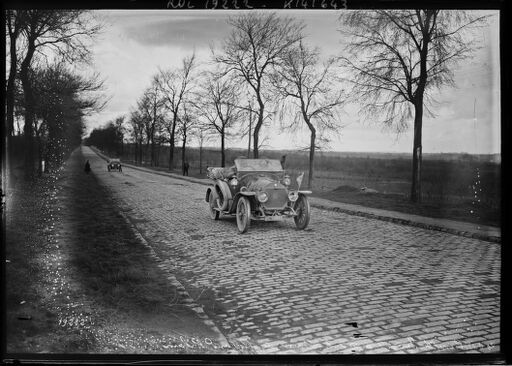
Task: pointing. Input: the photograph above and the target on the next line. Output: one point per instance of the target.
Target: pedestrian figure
(283, 159)
(87, 167)
(185, 168)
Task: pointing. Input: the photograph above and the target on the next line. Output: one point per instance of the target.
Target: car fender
(247, 193)
(223, 188)
(207, 198)
(237, 197)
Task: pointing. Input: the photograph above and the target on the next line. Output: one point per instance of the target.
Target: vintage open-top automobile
(114, 164)
(257, 189)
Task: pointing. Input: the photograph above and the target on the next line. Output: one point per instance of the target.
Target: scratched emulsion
(71, 314)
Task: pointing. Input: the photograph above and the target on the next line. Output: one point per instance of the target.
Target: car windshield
(258, 165)
(114, 161)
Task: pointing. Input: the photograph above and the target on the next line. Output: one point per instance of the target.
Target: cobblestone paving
(346, 285)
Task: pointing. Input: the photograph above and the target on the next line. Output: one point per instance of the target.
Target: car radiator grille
(277, 198)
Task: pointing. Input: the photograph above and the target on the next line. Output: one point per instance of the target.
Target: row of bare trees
(264, 63)
(181, 104)
(162, 113)
(109, 137)
(50, 97)
(392, 65)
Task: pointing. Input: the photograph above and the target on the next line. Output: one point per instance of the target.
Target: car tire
(223, 195)
(212, 204)
(243, 214)
(303, 211)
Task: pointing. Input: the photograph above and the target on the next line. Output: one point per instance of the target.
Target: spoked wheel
(243, 214)
(212, 202)
(303, 212)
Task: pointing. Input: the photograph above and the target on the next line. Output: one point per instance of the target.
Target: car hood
(263, 183)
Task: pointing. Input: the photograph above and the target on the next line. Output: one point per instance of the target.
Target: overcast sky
(136, 43)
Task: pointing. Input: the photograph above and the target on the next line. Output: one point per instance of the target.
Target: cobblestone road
(347, 285)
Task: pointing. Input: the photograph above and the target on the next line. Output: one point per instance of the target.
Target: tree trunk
(7, 152)
(250, 129)
(183, 154)
(147, 152)
(40, 156)
(418, 112)
(153, 152)
(171, 153)
(222, 149)
(157, 153)
(10, 87)
(257, 128)
(29, 112)
(201, 158)
(171, 142)
(417, 153)
(311, 156)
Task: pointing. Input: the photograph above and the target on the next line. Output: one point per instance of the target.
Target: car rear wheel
(243, 214)
(212, 202)
(303, 211)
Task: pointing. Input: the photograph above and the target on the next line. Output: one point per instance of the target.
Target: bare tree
(175, 85)
(218, 105)
(14, 23)
(186, 123)
(65, 34)
(203, 132)
(136, 123)
(312, 92)
(253, 49)
(62, 99)
(151, 106)
(399, 58)
(120, 130)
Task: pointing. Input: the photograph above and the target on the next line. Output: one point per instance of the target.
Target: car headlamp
(262, 197)
(286, 180)
(233, 182)
(293, 196)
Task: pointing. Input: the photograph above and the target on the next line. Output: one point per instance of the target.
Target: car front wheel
(243, 214)
(212, 202)
(303, 211)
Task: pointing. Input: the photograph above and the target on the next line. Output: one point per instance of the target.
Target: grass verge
(466, 211)
(79, 281)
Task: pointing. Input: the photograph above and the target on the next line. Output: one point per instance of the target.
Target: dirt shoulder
(79, 281)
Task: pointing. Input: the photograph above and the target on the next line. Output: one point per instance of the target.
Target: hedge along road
(346, 285)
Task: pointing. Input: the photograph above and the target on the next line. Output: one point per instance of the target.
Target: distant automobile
(257, 189)
(114, 164)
